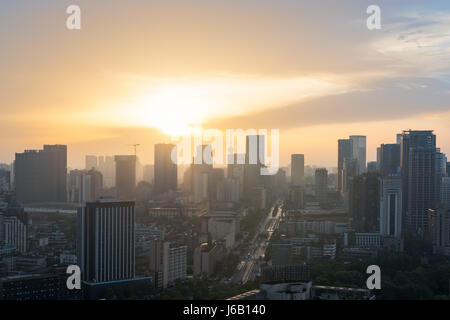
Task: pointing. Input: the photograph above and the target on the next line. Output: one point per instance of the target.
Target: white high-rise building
(391, 206)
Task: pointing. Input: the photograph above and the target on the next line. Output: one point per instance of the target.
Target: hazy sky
(138, 70)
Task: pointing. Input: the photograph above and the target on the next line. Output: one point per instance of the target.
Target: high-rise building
(228, 190)
(125, 177)
(235, 170)
(364, 202)
(322, 187)
(255, 149)
(40, 175)
(391, 206)
(297, 169)
(91, 162)
(379, 158)
(372, 166)
(439, 229)
(421, 178)
(359, 151)
(202, 174)
(168, 262)
(165, 169)
(5, 179)
(447, 170)
(106, 241)
(390, 159)
(345, 151)
(107, 167)
(445, 192)
(84, 186)
(350, 171)
(149, 173)
(254, 160)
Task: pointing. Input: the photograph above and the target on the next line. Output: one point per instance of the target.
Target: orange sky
(138, 71)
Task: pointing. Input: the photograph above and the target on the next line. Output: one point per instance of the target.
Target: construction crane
(135, 147)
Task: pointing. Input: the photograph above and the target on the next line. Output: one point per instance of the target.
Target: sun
(174, 109)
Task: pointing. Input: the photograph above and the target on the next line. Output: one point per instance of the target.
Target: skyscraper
(390, 159)
(359, 151)
(40, 175)
(445, 192)
(106, 241)
(297, 169)
(364, 202)
(91, 162)
(125, 177)
(168, 262)
(165, 169)
(201, 173)
(345, 151)
(420, 176)
(391, 206)
(254, 160)
(84, 186)
(107, 166)
(322, 187)
(439, 230)
(255, 149)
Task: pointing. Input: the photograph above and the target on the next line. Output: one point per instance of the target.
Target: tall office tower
(106, 235)
(345, 151)
(322, 187)
(15, 233)
(168, 262)
(15, 228)
(5, 179)
(84, 186)
(379, 158)
(254, 160)
(372, 166)
(217, 175)
(364, 203)
(297, 169)
(40, 175)
(399, 138)
(2, 231)
(255, 149)
(149, 173)
(391, 206)
(125, 177)
(359, 151)
(390, 159)
(421, 178)
(91, 162)
(201, 174)
(296, 197)
(165, 169)
(228, 190)
(447, 170)
(442, 164)
(235, 170)
(439, 229)
(349, 172)
(445, 192)
(107, 167)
